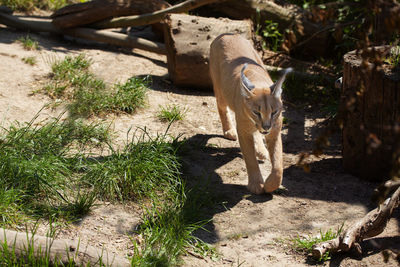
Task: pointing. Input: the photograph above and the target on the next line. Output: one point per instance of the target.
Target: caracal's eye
(274, 113)
(257, 113)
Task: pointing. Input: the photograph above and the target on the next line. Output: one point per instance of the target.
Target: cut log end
(319, 250)
(188, 39)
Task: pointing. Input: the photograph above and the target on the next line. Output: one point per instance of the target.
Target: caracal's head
(264, 104)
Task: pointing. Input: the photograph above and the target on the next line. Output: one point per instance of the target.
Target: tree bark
(188, 39)
(371, 225)
(59, 252)
(371, 101)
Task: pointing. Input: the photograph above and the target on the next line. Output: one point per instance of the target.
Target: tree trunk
(59, 252)
(188, 39)
(371, 98)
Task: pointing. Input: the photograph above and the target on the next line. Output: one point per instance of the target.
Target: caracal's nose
(265, 130)
(266, 126)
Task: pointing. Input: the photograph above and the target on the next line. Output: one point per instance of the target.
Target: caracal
(243, 85)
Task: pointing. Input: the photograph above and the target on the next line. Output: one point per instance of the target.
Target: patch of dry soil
(247, 230)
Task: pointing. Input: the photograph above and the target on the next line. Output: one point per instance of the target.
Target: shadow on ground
(326, 181)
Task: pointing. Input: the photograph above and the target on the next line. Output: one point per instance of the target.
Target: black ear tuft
(276, 88)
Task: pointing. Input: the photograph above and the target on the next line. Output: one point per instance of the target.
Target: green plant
(168, 230)
(28, 43)
(69, 74)
(39, 168)
(94, 100)
(28, 5)
(18, 4)
(306, 244)
(88, 95)
(70, 67)
(10, 206)
(144, 167)
(393, 59)
(29, 60)
(273, 38)
(48, 171)
(171, 113)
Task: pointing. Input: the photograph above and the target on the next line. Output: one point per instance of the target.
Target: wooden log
(151, 18)
(59, 252)
(104, 36)
(118, 39)
(370, 225)
(89, 12)
(255, 10)
(371, 97)
(188, 39)
(5, 9)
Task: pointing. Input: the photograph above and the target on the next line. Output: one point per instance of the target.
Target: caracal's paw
(273, 181)
(230, 134)
(261, 153)
(256, 188)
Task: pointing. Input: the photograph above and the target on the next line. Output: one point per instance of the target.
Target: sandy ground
(246, 230)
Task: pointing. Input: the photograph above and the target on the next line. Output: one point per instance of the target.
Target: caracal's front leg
(261, 150)
(247, 146)
(274, 146)
(226, 120)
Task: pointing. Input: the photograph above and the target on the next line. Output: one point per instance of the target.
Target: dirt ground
(246, 230)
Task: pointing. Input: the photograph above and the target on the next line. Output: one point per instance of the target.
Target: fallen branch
(151, 18)
(59, 252)
(103, 36)
(371, 225)
(76, 15)
(392, 184)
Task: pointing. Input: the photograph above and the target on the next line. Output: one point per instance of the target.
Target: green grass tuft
(305, 244)
(89, 95)
(145, 167)
(38, 164)
(168, 230)
(171, 113)
(29, 60)
(28, 43)
(94, 100)
(29, 5)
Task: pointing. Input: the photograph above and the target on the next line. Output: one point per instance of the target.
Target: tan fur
(228, 56)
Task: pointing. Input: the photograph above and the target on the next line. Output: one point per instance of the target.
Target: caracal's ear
(247, 86)
(276, 88)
